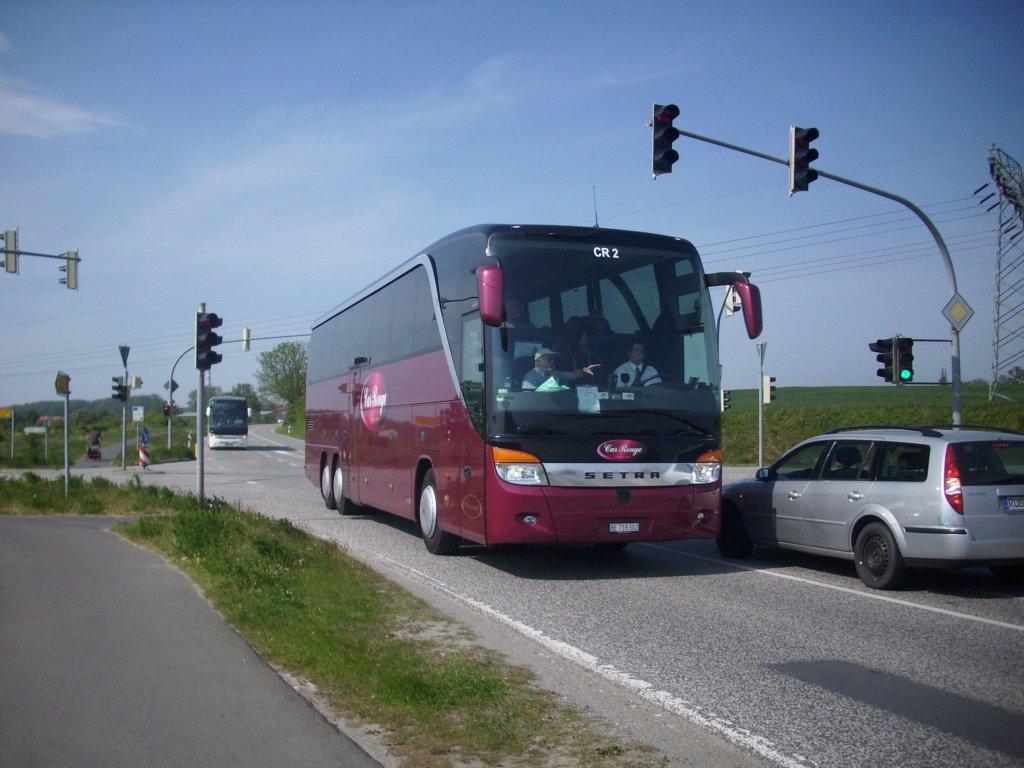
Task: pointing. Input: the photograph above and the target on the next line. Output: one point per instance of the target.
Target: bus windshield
(602, 338)
(229, 416)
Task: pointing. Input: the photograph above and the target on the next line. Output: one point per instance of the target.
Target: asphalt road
(109, 657)
(782, 659)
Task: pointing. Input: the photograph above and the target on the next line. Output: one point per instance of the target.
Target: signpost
(124, 349)
(63, 386)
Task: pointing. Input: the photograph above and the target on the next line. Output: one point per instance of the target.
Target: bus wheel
(342, 503)
(325, 486)
(438, 542)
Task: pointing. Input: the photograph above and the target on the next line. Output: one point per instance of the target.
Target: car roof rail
(926, 431)
(976, 428)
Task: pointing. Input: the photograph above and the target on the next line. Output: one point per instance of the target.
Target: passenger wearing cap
(543, 360)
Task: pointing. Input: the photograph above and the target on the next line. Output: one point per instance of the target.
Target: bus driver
(635, 372)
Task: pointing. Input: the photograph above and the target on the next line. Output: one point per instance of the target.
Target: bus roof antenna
(593, 189)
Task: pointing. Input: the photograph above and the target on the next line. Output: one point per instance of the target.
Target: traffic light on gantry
(206, 340)
(70, 270)
(120, 389)
(11, 251)
(801, 155)
(904, 360)
(886, 349)
(663, 156)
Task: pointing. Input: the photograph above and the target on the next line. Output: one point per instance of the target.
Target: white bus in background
(227, 420)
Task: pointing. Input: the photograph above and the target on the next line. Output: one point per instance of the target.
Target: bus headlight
(519, 467)
(708, 467)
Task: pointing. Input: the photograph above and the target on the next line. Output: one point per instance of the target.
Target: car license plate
(1014, 503)
(623, 527)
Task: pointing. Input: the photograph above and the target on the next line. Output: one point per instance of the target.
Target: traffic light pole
(950, 274)
(170, 396)
(761, 348)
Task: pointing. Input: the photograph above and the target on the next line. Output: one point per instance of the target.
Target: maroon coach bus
(475, 390)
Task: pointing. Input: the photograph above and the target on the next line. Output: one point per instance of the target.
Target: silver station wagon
(888, 498)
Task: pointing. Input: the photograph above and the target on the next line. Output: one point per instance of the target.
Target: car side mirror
(763, 474)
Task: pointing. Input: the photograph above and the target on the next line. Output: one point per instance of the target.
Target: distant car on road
(888, 498)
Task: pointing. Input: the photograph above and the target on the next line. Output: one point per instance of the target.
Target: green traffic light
(906, 374)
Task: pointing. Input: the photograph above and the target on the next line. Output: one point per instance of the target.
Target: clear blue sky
(270, 158)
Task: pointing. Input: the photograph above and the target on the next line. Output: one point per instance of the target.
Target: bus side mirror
(750, 297)
(490, 284)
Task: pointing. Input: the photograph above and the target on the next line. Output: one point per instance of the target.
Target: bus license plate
(623, 527)
(1014, 503)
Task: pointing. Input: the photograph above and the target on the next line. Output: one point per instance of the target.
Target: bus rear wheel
(438, 542)
(325, 486)
(342, 503)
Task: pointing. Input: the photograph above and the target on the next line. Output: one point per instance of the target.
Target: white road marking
(871, 595)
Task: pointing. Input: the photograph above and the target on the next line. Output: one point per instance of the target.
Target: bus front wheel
(438, 542)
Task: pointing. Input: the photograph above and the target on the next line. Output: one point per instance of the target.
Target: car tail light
(951, 482)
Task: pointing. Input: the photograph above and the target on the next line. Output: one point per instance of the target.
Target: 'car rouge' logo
(373, 401)
(621, 450)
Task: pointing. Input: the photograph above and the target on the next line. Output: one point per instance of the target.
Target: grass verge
(376, 655)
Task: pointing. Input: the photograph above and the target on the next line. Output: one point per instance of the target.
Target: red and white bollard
(144, 457)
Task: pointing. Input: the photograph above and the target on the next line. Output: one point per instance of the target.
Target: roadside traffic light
(206, 340)
(767, 389)
(70, 268)
(664, 134)
(120, 389)
(886, 351)
(725, 399)
(904, 359)
(167, 411)
(800, 158)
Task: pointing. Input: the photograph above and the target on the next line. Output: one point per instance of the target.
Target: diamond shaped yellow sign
(958, 312)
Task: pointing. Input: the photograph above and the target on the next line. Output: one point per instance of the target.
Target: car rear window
(990, 462)
(904, 462)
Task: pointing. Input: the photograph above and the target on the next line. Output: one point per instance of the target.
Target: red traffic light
(663, 156)
(208, 320)
(206, 340)
(800, 158)
(666, 114)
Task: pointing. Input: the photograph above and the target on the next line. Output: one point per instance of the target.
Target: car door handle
(794, 495)
(855, 496)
